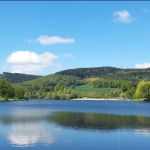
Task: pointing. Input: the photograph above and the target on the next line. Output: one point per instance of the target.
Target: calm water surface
(74, 125)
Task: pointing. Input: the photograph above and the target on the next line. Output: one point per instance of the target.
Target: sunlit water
(74, 125)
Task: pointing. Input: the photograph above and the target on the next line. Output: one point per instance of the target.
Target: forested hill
(109, 72)
(88, 72)
(102, 82)
(18, 77)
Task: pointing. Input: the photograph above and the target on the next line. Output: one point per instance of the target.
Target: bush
(143, 90)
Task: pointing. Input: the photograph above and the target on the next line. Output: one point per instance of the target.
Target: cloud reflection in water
(25, 134)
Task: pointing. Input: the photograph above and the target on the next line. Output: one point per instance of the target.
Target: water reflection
(24, 134)
(27, 128)
(99, 121)
(76, 120)
(30, 129)
(143, 132)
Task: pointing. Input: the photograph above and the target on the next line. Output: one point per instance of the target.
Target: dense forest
(17, 77)
(102, 82)
(109, 72)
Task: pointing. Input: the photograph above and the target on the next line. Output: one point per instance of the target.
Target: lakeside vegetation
(102, 82)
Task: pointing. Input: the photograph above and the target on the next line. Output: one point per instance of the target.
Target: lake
(74, 125)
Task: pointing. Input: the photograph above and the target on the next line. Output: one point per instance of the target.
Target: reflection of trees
(82, 120)
(98, 121)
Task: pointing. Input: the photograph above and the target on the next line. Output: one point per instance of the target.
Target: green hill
(109, 72)
(89, 72)
(51, 87)
(18, 77)
(100, 82)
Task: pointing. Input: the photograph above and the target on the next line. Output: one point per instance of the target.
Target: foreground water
(74, 125)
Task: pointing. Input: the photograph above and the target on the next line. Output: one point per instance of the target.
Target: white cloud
(25, 61)
(144, 65)
(49, 40)
(122, 16)
(68, 55)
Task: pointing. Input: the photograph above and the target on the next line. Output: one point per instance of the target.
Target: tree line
(8, 91)
(62, 87)
(109, 72)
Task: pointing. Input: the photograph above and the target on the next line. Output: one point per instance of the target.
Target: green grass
(91, 92)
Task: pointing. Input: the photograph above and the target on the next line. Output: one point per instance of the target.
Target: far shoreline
(79, 99)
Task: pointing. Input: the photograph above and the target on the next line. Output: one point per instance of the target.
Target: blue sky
(45, 37)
